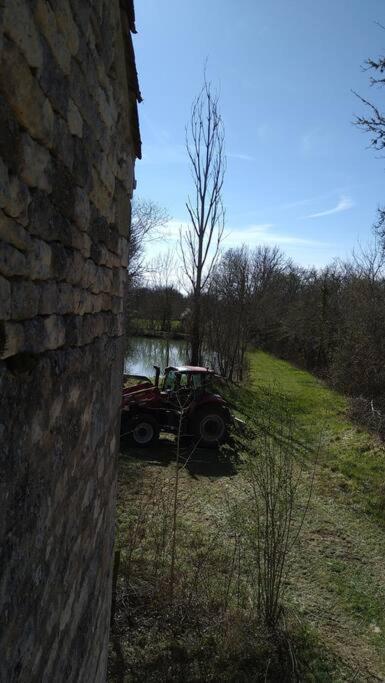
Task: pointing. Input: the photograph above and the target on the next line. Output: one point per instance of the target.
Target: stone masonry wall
(68, 140)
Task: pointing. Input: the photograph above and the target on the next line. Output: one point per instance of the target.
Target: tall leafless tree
(200, 242)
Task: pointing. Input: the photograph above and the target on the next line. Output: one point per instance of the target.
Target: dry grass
(334, 617)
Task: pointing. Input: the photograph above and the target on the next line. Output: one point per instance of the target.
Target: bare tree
(147, 221)
(161, 275)
(161, 270)
(200, 242)
(374, 124)
(228, 307)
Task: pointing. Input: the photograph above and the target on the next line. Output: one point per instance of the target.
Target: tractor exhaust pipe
(157, 373)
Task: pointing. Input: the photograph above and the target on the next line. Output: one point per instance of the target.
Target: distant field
(336, 586)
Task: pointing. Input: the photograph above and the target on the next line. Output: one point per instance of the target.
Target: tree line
(330, 321)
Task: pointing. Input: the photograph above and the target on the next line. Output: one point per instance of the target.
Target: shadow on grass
(199, 462)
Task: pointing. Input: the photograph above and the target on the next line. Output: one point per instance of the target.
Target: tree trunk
(196, 332)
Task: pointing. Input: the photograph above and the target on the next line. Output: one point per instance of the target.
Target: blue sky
(299, 174)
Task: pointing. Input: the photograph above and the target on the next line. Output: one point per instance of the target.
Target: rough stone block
(46, 20)
(102, 281)
(78, 300)
(61, 261)
(101, 231)
(106, 302)
(54, 332)
(73, 330)
(82, 13)
(74, 274)
(117, 304)
(82, 98)
(42, 217)
(5, 299)
(67, 25)
(75, 121)
(25, 300)
(19, 25)
(65, 298)
(34, 164)
(40, 260)
(106, 109)
(63, 143)
(24, 95)
(86, 245)
(119, 280)
(100, 196)
(4, 184)
(89, 274)
(52, 82)
(63, 190)
(120, 325)
(13, 233)
(10, 134)
(87, 63)
(123, 212)
(123, 251)
(97, 252)
(12, 261)
(18, 200)
(14, 339)
(81, 167)
(81, 209)
(48, 301)
(34, 332)
(125, 170)
(103, 78)
(105, 173)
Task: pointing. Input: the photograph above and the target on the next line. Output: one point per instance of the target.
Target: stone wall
(68, 140)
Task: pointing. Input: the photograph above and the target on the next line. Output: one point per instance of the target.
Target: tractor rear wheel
(210, 426)
(142, 430)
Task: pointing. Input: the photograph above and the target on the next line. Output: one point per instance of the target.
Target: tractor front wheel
(142, 430)
(210, 427)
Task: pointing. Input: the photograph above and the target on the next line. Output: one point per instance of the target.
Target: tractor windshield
(174, 381)
(169, 381)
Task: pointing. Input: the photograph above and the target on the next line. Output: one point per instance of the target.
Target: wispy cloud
(264, 233)
(242, 157)
(344, 204)
(252, 235)
(315, 141)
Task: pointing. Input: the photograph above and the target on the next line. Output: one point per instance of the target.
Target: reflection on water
(143, 353)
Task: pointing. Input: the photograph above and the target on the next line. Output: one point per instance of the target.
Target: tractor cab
(186, 379)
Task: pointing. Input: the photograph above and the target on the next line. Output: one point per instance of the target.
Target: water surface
(143, 353)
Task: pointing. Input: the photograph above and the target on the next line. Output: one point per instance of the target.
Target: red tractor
(186, 403)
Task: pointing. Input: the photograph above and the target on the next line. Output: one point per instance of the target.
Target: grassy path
(322, 413)
(338, 578)
(336, 584)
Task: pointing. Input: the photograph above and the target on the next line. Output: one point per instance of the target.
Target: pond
(144, 352)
